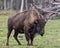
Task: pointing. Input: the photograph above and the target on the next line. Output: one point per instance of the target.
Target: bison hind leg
(8, 34)
(15, 36)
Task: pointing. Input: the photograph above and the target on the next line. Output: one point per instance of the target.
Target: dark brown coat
(22, 23)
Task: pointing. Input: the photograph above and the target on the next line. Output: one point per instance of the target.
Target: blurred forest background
(17, 4)
(6, 6)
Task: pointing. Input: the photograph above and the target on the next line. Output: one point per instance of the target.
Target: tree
(11, 4)
(4, 4)
(26, 4)
(22, 5)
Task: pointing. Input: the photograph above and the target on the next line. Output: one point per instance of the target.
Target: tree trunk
(22, 5)
(18, 4)
(11, 4)
(4, 4)
(26, 4)
(8, 5)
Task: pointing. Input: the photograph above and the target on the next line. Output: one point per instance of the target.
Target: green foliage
(51, 38)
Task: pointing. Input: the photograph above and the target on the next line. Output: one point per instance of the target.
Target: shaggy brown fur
(22, 23)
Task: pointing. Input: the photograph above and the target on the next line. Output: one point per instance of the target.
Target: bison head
(45, 15)
(40, 25)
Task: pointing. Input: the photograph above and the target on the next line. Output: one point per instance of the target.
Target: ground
(51, 38)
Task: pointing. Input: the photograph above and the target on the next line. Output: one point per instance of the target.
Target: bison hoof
(7, 44)
(30, 44)
(19, 44)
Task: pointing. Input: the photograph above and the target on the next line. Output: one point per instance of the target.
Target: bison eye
(36, 22)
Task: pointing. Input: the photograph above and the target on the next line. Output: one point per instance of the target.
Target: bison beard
(23, 23)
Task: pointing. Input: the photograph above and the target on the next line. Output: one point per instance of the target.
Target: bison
(28, 22)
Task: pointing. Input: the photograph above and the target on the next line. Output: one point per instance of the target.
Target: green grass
(51, 38)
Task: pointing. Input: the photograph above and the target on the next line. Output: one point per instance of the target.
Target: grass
(51, 38)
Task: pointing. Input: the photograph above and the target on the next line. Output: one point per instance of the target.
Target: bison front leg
(26, 31)
(15, 36)
(27, 37)
(31, 37)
